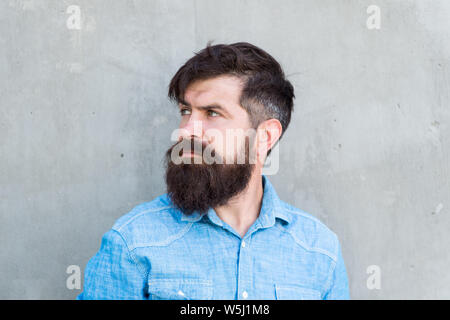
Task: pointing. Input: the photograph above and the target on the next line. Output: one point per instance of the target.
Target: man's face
(211, 112)
(216, 165)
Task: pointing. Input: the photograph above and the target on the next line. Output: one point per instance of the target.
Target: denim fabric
(157, 252)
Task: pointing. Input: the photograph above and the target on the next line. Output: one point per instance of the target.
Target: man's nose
(192, 128)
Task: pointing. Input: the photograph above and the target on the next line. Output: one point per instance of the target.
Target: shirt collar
(270, 209)
(271, 205)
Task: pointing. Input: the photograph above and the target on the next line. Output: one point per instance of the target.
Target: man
(221, 231)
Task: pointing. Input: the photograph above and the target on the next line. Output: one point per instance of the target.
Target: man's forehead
(223, 90)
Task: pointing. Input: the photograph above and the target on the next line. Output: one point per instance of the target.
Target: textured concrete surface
(84, 123)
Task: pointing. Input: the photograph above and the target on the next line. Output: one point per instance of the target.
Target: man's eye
(184, 111)
(213, 113)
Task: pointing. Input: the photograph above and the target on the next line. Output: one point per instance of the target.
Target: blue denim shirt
(157, 252)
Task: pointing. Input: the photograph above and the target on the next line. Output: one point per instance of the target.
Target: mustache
(195, 146)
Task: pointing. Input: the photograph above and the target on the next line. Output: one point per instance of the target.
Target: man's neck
(242, 210)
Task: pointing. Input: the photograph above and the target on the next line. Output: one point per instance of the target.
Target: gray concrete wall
(84, 123)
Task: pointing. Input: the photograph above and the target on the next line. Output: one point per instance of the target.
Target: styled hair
(266, 94)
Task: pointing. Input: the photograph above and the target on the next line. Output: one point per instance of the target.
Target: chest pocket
(293, 292)
(180, 289)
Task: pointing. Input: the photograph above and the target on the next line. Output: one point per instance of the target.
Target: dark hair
(266, 93)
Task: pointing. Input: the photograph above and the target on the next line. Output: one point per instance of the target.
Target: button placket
(244, 270)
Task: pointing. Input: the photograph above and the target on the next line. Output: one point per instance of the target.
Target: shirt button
(245, 294)
(243, 244)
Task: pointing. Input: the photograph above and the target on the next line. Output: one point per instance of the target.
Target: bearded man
(221, 231)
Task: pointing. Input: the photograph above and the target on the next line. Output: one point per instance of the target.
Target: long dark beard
(197, 187)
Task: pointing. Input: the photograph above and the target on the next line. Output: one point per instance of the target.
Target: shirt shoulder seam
(308, 248)
(167, 241)
(119, 228)
(307, 217)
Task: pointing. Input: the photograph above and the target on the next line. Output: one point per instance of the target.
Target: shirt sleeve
(113, 272)
(338, 290)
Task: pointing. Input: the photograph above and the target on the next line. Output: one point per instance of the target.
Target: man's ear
(268, 133)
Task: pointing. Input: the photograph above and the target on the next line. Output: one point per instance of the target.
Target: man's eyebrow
(210, 106)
